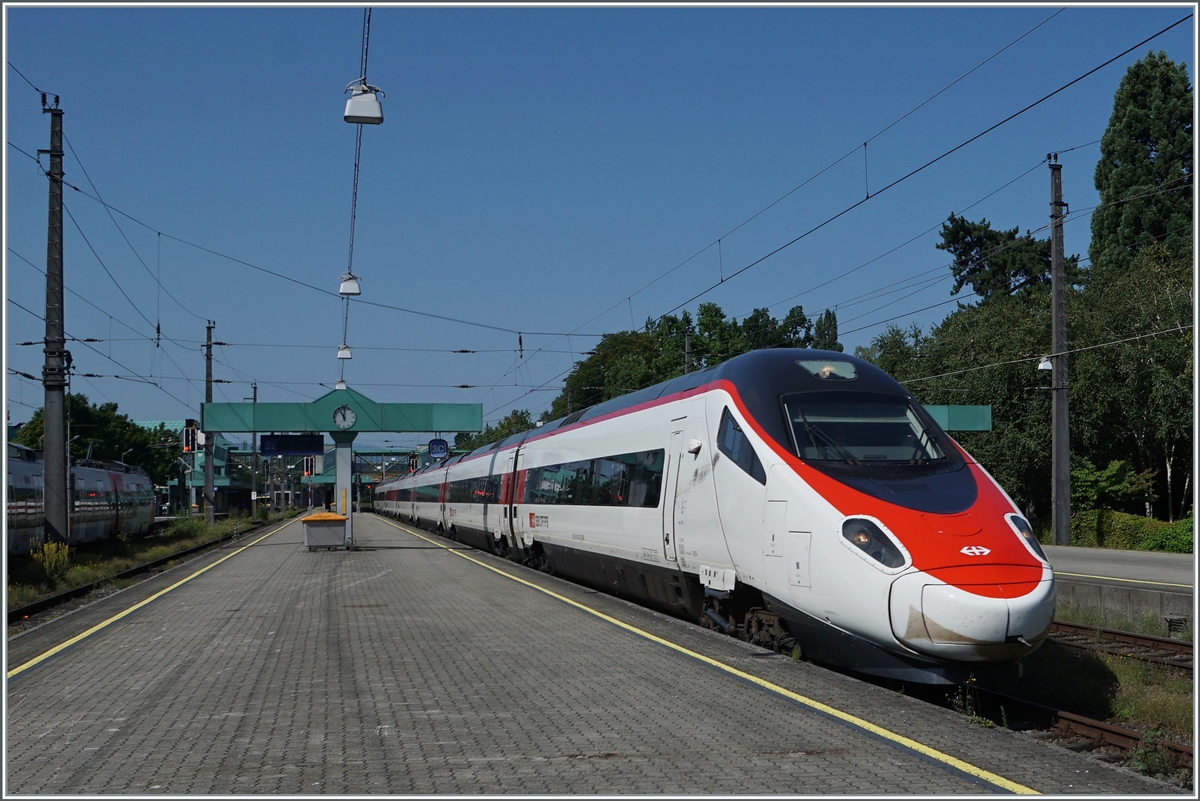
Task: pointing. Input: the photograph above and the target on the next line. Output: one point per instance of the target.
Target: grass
(53, 568)
(1152, 698)
(1127, 692)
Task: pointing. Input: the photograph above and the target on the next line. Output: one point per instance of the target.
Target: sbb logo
(976, 550)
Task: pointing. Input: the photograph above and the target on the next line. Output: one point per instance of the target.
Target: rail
(1159, 650)
(1068, 724)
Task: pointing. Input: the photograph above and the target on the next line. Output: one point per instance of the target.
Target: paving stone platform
(405, 668)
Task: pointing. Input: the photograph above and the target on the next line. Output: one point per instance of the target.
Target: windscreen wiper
(829, 441)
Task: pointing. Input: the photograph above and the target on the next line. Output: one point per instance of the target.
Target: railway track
(1159, 650)
(1070, 726)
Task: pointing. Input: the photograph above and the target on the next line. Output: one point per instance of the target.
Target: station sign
(438, 449)
(293, 444)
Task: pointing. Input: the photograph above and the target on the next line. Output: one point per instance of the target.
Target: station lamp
(1045, 364)
(364, 107)
(344, 352)
(349, 285)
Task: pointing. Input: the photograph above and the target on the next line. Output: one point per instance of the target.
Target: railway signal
(189, 437)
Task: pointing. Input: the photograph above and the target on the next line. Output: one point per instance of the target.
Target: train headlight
(1025, 532)
(870, 539)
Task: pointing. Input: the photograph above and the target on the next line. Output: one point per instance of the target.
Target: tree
(1132, 399)
(515, 422)
(998, 263)
(825, 332)
(1144, 175)
(796, 330)
(110, 436)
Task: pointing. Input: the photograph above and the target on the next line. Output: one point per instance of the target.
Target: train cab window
(732, 442)
(862, 427)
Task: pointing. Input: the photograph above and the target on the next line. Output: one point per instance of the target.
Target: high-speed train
(783, 495)
(108, 499)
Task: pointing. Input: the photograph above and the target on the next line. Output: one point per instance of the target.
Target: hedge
(1105, 528)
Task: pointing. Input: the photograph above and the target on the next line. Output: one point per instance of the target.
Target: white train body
(880, 544)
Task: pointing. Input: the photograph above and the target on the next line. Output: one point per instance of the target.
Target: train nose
(966, 614)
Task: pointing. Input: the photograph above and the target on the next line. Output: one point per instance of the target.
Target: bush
(1105, 528)
(54, 559)
(187, 527)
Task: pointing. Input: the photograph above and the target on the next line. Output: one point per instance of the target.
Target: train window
(857, 427)
(830, 369)
(608, 483)
(629, 479)
(732, 442)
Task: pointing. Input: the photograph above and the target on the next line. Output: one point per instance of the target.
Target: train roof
(767, 373)
(760, 377)
(23, 453)
(111, 465)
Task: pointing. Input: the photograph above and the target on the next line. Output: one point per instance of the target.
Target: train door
(510, 499)
(120, 503)
(674, 461)
(521, 532)
(497, 511)
(443, 502)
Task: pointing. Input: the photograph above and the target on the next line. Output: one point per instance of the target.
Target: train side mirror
(694, 446)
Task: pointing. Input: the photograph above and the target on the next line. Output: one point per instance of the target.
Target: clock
(344, 417)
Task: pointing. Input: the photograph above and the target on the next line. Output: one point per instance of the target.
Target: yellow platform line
(67, 644)
(854, 720)
(1114, 578)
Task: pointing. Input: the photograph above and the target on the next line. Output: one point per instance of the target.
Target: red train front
(903, 557)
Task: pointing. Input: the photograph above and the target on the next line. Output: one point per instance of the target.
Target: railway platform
(413, 665)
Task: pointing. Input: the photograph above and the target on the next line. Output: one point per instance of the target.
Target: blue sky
(537, 170)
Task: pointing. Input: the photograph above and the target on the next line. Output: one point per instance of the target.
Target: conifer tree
(1145, 171)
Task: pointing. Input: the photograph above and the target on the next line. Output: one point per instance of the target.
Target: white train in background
(781, 495)
(107, 499)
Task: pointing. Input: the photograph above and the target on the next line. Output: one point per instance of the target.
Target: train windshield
(862, 427)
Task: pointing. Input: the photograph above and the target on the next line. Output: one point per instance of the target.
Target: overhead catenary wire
(1071, 218)
(103, 355)
(631, 319)
(315, 288)
(825, 169)
(725, 279)
(926, 165)
(117, 225)
(111, 317)
(1172, 330)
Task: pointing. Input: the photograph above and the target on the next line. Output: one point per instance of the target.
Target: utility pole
(209, 495)
(687, 350)
(1061, 440)
(56, 469)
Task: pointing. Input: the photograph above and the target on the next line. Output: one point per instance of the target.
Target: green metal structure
(368, 415)
(961, 417)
